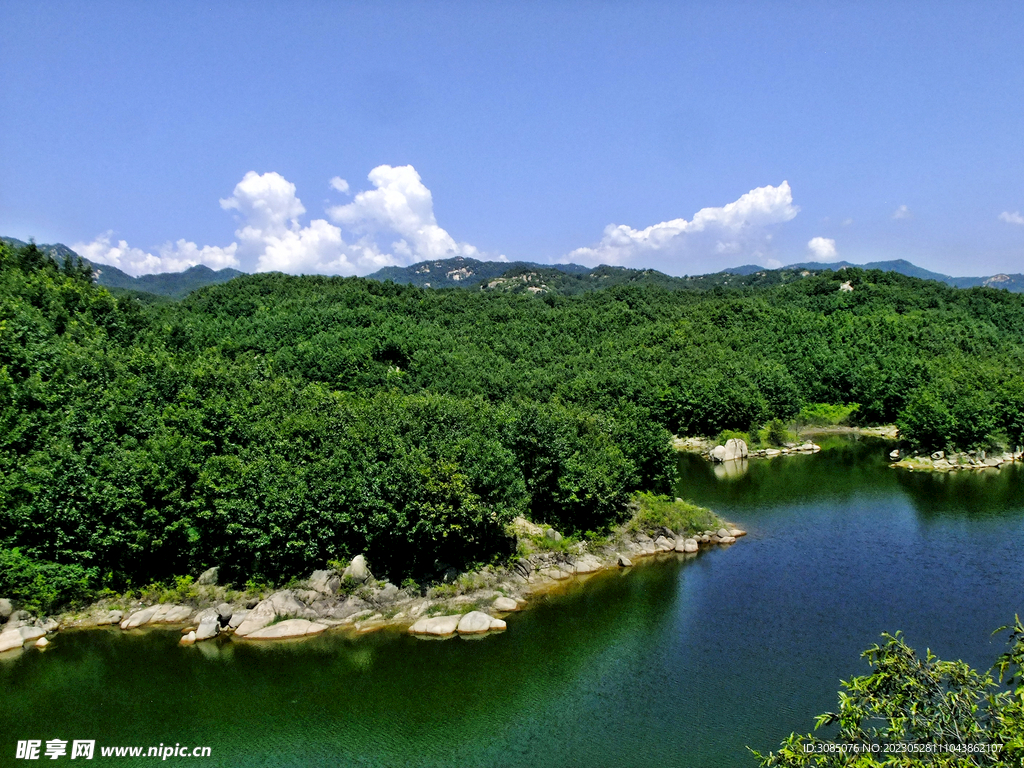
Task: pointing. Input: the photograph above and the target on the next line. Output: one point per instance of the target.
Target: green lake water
(674, 663)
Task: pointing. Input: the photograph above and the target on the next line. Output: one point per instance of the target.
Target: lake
(670, 663)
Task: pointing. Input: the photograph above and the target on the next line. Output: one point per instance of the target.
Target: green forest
(273, 423)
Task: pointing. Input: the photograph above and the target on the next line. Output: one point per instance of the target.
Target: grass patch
(826, 415)
(663, 511)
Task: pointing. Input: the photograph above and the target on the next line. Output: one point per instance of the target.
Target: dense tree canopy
(273, 423)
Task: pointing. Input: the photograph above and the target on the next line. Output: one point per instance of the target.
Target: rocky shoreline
(474, 603)
(940, 461)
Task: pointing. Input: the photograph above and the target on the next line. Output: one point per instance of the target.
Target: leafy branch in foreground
(912, 711)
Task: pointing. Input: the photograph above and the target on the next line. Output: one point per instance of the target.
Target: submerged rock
(42, 642)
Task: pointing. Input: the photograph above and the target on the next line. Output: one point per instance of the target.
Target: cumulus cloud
(901, 213)
(1012, 218)
(822, 248)
(735, 228)
(271, 234)
(401, 205)
(169, 257)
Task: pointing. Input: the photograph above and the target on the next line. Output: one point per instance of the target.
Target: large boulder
(505, 604)
(326, 582)
(438, 626)
(289, 628)
(208, 628)
(139, 618)
(474, 623)
(113, 617)
(735, 449)
(170, 614)
(718, 453)
(11, 639)
(208, 578)
(237, 617)
(587, 564)
(6, 609)
(224, 613)
(664, 544)
(523, 527)
(357, 570)
(278, 605)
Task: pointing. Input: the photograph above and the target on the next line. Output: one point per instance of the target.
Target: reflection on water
(730, 470)
(677, 663)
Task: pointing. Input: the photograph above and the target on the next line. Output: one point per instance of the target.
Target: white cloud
(1012, 218)
(271, 235)
(823, 248)
(901, 213)
(400, 205)
(847, 222)
(738, 227)
(172, 258)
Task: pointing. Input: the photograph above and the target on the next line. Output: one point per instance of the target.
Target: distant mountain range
(1013, 283)
(523, 276)
(175, 285)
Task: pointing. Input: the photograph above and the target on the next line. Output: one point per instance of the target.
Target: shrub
(41, 586)
(663, 511)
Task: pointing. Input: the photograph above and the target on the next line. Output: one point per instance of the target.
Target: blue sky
(687, 137)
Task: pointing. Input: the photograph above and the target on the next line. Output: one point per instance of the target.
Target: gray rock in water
(663, 544)
(139, 618)
(437, 626)
(690, 545)
(718, 453)
(625, 562)
(505, 604)
(474, 623)
(722, 533)
(735, 449)
(894, 455)
(237, 618)
(188, 639)
(224, 613)
(209, 627)
(10, 639)
(50, 625)
(42, 642)
(357, 570)
(208, 578)
(6, 609)
(289, 628)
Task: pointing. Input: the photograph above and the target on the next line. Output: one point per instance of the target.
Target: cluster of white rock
(736, 449)
(942, 462)
(19, 627)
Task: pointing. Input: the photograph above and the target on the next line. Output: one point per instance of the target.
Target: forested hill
(175, 285)
(273, 423)
(570, 279)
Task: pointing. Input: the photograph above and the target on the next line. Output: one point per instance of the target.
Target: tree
(914, 711)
